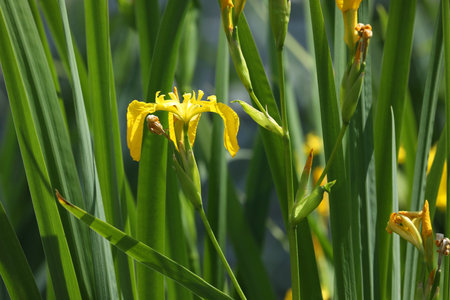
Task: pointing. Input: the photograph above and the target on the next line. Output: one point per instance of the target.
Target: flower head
(183, 119)
(407, 225)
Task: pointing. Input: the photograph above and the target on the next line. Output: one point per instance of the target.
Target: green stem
(292, 230)
(333, 154)
(213, 239)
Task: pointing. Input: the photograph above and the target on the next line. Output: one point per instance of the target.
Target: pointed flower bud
(352, 81)
(280, 11)
(262, 118)
(302, 208)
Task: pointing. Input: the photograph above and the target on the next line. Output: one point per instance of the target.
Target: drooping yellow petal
(231, 121)
(136, 113)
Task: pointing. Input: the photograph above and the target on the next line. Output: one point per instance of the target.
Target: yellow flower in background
(349, 10)
(324, 207)
(288, 295)
(312, 142)
(401, 155)
(183, 119)
(441, 200)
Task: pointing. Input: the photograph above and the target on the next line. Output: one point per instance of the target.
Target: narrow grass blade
(427, 117)
(213, 269)
(339, 199)
(144, 254)
(14, 268)
(446, 38)
(53, 238)
(151, 195)
(395, 68)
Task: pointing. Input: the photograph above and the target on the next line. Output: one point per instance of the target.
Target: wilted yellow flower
(406, 224)
(183, 119)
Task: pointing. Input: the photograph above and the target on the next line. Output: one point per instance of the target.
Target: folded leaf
(145, 255)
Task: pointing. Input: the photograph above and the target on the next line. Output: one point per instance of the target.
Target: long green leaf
(50, 126)
(104, 111)
(395, 68)
(147, 14)
(53, 238)
(395, 264)
(105, 279)
(427, 117)
(340, 205)
(177, 244)
(145, 254)
(151, 194)
(14, 268)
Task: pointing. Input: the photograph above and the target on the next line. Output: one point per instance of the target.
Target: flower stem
(291, 230)
(221, 255)
(333, 154)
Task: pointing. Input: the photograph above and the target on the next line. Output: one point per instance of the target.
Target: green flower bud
(351, 88)
(303, 207)
(262, 118)
(279, 11)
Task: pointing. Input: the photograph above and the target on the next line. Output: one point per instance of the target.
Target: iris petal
(137, 111)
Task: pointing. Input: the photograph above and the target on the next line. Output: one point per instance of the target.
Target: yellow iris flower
(183, 117)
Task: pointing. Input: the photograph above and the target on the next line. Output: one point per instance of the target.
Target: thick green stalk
(221, 255)
(292, 230)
